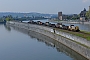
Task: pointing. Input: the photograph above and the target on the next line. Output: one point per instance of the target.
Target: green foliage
(85, 34)
(88, 14)
(68, 17)
(8, 18)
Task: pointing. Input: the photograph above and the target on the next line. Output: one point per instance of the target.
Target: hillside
(26, 14)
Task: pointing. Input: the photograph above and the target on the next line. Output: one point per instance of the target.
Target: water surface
(19, 44)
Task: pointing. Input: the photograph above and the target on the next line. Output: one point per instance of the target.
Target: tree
(88, 14)
(9, 18)
(68, 17)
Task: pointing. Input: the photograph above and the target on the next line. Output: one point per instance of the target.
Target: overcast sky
(44, 6)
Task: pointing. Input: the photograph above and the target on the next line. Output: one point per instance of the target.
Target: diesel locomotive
(58, 25)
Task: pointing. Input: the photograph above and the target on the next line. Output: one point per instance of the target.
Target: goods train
(58, 25)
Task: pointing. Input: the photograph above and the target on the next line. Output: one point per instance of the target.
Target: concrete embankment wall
(51, 42)
(65, 38)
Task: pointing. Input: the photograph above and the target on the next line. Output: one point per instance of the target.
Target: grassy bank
(82, 34)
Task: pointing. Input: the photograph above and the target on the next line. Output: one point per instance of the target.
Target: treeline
(88, 14)
(10, 17)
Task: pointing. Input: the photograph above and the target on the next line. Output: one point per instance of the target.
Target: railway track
(69, 29)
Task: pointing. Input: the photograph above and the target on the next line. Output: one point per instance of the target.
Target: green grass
(84, 34)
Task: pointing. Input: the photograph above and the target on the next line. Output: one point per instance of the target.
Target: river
(19, 44)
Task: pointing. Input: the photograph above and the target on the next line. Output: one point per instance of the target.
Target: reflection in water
(7, 27)
(52, 43)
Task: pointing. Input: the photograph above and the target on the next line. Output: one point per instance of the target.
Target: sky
(44, 6)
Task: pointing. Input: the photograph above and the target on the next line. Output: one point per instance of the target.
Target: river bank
(73, 42)
(51, 42)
